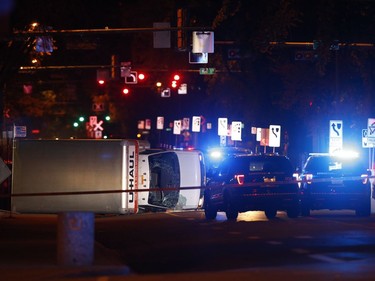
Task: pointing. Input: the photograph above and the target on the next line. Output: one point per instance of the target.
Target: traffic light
(125, 90)
(81, 119)
(102, 75)
(158, 86)
(141, 77)
(175, 83)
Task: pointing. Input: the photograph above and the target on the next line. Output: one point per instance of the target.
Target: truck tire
(270, 213)
(210, 211)
(230, 210)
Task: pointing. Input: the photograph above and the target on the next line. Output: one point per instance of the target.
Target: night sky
(266, 84)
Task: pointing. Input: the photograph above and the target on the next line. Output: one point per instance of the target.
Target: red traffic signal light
(102, 75)
(141, 76)
(175, 80)
(125, 91)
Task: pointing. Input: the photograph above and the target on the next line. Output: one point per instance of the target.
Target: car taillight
(309, 178)
(240, 179)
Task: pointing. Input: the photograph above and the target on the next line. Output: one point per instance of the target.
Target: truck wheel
(270, 213)
(210, 211)
(230, 210)
(364, 208)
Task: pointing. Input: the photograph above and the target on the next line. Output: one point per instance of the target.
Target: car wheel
(210, 211)
(364, 209)
(230, 210)
(270, 213)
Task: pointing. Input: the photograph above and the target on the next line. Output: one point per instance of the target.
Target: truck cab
(172, 179)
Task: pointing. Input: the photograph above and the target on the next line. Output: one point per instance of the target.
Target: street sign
(182, 90)
(141, 124)
(203, 42)
(98, 107)
(177, 127)
(222, 126)
(98, 134)
(162, 39)
(259, 134)
(98, 126)
(160, 123)
(196, 126)
(19, 131)
(236, 131)
(166, 93)
(335, 135)
(186, 123)
(264, 137)
(132, 78)
(148, 124)
(93, 120)
(206, 70)
(199, 58)
(125, 69)
(364, 138)
(274, 136)
(371, 131)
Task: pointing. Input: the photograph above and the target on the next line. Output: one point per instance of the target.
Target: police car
(334, 182)
(252, 182)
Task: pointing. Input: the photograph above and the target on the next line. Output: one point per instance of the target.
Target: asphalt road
(184, 246)
(186, 242)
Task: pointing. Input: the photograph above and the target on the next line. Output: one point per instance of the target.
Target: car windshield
(326, 164)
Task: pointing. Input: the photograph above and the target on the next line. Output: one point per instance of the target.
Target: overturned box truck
(104, 176)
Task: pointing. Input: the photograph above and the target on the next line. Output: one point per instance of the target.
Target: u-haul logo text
(131, 173)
